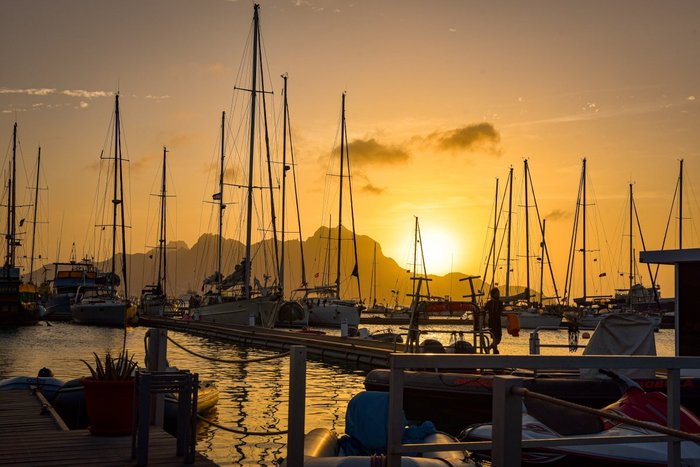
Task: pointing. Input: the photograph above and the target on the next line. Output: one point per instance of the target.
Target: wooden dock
(31, 436)
(362, 352)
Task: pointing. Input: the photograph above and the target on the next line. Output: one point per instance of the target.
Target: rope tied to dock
(242, 432)
(223, 360)
(609, 415)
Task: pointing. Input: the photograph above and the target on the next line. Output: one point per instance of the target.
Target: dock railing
(507, 443)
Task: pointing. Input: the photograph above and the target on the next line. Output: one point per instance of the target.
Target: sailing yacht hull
(259, 311)
(332, 313)
(102, 313)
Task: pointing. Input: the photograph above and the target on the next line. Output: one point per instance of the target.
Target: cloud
(84, 94)
(372, 189)
(83, 104)
(157, 98)
(480, 136)
(557, 214)
(371, 152)
(29, 91)
(691, 98)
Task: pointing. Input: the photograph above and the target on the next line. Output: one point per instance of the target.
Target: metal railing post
(395, 421)
(297, 405)
(673, 418)
(507, 422)
(157, 361)
(535, 342)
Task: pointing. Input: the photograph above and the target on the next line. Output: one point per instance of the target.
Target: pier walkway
(364, 352)
(31, 436)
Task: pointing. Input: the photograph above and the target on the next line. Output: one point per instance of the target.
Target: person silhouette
(494, 308)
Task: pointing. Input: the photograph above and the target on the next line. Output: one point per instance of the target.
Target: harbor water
(253, 396)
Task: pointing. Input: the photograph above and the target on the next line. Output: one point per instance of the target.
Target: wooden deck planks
(29, 436)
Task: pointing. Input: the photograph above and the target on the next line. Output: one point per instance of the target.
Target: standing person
(494, 307)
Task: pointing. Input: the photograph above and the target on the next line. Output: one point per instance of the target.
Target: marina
(343, 263)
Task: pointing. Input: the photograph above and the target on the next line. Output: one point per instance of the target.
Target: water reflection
(253, 396)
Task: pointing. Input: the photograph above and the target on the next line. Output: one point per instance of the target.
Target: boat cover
(622, 334)
(366, 425)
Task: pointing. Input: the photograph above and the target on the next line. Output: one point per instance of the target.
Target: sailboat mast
(219, 243)
(11, 219)
(284, 180)
(415, 258)
(162, 266)
(253, 100)
(373, 280)
(122, 208)
(340, 193)
(493, 243)
(631, 273)
(527, 236)
(583, 250)
(510, 216)
(542, 256)
(680, 206)
(36, 206)
(115, 195)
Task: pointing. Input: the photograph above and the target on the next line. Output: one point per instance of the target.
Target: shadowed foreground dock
(30, 436)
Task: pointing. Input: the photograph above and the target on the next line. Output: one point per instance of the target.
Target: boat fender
(513, 325)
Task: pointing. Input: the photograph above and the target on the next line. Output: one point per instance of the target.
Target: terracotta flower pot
(109, 406)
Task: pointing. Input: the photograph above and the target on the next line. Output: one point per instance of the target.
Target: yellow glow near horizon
(441, 249)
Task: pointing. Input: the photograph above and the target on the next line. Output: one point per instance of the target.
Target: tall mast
(340, 194)
(284, 181)
(121, 204)
(527, 237)
(510, 215)
(680, 206)
(115, 196)
(11, 219)
(583, 181)
(288, 127)
(253, 100)
(220, 196)
(493, 243)
(373, 280)
(415, 258)
(36, 206)
(542, 256)
(162, 241)
(631, 273)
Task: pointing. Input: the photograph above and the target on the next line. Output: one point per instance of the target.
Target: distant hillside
(187, 267)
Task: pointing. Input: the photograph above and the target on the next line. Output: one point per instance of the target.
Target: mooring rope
(243, 432)
(222, 360)
(609, 415)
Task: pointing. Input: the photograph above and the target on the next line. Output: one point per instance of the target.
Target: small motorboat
(545, 420)
(365, 441)
(48, 385)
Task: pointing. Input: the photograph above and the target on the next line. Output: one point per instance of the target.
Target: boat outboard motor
(432, 346)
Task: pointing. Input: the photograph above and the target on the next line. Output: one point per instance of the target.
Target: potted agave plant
(109, 393)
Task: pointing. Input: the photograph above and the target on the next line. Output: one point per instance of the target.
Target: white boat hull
(102, 313)
(529, 320)
(639, 454)
(333, 314)
(260, 311)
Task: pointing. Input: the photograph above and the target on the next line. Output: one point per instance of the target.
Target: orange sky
(442, 98)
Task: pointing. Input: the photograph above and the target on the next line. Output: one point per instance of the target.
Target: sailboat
(18, 301)
(153, 300)
(100, 304)
(324, 303)
(240, 298)
(527, 307)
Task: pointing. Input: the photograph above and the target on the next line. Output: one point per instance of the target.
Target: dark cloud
(365, 152)
(372, 189)
(480, 136)
(557, 214)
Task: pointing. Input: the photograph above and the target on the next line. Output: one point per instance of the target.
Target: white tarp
(622, 334)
